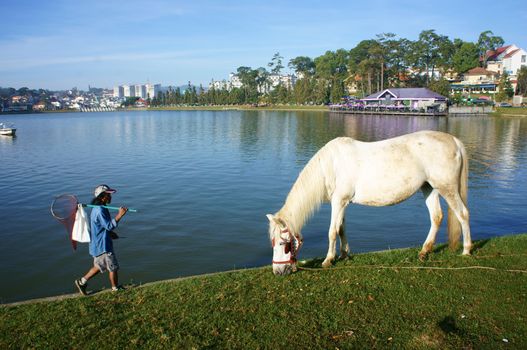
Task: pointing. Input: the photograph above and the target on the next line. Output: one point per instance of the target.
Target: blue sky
(59, 44)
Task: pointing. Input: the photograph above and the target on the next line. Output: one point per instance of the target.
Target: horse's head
(285, 246)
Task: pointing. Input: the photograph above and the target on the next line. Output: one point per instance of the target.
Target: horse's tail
(453, 224)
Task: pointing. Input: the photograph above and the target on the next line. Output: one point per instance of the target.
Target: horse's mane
(308, 192)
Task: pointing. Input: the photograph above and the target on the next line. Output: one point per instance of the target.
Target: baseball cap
(103, 189)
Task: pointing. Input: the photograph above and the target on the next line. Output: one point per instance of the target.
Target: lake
(203, 181)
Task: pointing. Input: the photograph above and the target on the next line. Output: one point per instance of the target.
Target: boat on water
(7, 129)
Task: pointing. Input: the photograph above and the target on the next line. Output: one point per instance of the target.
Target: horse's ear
(277, 221)
(274, 219)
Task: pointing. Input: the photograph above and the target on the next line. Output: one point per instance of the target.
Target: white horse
(376, 174)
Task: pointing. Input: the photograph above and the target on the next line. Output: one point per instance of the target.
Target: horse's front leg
(337, 215)
(344, 247)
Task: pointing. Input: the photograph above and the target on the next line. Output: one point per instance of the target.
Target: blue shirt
(101, 223)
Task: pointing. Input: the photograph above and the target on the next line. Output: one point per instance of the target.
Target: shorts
(106, 261)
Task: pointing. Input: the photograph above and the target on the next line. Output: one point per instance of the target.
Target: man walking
(101, 245)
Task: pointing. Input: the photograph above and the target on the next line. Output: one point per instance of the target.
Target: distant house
(140, 103)
(477, 80)
(507, 59)
(39, 106)
(479, 74)
(414, 98)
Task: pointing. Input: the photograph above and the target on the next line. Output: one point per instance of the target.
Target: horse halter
(286, 249)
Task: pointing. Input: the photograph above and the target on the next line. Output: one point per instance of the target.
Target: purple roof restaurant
(410, 101)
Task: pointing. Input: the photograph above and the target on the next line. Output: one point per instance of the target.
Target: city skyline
(58, 45)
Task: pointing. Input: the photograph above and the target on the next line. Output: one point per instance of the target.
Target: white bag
(81, 227)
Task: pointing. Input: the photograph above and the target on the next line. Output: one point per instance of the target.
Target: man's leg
(82, 283)
(92, 272)
(113, 278)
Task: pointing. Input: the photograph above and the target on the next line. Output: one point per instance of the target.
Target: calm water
(203, 182)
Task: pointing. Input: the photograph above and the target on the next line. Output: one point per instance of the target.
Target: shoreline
(501, 112)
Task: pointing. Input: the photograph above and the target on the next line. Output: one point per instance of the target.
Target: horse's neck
(306, 195)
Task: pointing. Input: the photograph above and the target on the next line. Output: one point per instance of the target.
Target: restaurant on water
(410, 101)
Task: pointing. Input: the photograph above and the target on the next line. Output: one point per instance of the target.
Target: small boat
(7, 130)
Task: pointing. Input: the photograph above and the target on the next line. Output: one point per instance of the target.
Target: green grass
(516, 111)
(378, 300)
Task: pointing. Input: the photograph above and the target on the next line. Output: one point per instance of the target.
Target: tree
(431, 50)
(465, 57)
(249, 88)
(303, 90)
(303, 65)
(276, 64)
(130, 101)
(262, 80)
(505, 88)
(521, 86)
(331, 70)
(361, 65)
(488, 42)
(383, 52)
(441, 86)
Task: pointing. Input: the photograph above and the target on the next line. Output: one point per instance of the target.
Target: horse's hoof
(422, 256)
(326, 263)
(344, 257)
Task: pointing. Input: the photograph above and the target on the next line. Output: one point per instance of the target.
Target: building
(507, 59)
(152, 90)
(234, 81)
(39, 106)
(219, 84)
(412, 98)
(477, 80)
(143, 91)
(140, 91)
(126, 91)
(118, 91)
(288, 80)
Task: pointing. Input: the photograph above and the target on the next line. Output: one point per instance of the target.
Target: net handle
(107, 207)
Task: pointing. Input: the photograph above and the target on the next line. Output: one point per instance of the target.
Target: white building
(143, 91)
(152, 90)
(508, 59)
(234, 81)
(219, 85)
(288, 80)
(140, 91)
(118, 91)
(127, 91)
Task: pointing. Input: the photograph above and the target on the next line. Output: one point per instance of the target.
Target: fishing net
(64, 209)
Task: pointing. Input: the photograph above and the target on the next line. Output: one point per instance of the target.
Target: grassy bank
(515, 112)
(381, 300)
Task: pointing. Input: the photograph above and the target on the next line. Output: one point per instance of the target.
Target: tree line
(372, 65)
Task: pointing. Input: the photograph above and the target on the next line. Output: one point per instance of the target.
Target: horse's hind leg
(436, 216)
(460, 210)
(344, 247)
(337, 216)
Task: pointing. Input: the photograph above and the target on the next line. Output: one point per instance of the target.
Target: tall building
(152, 90)
(118, 91)
(126, 91)
(143, 91)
